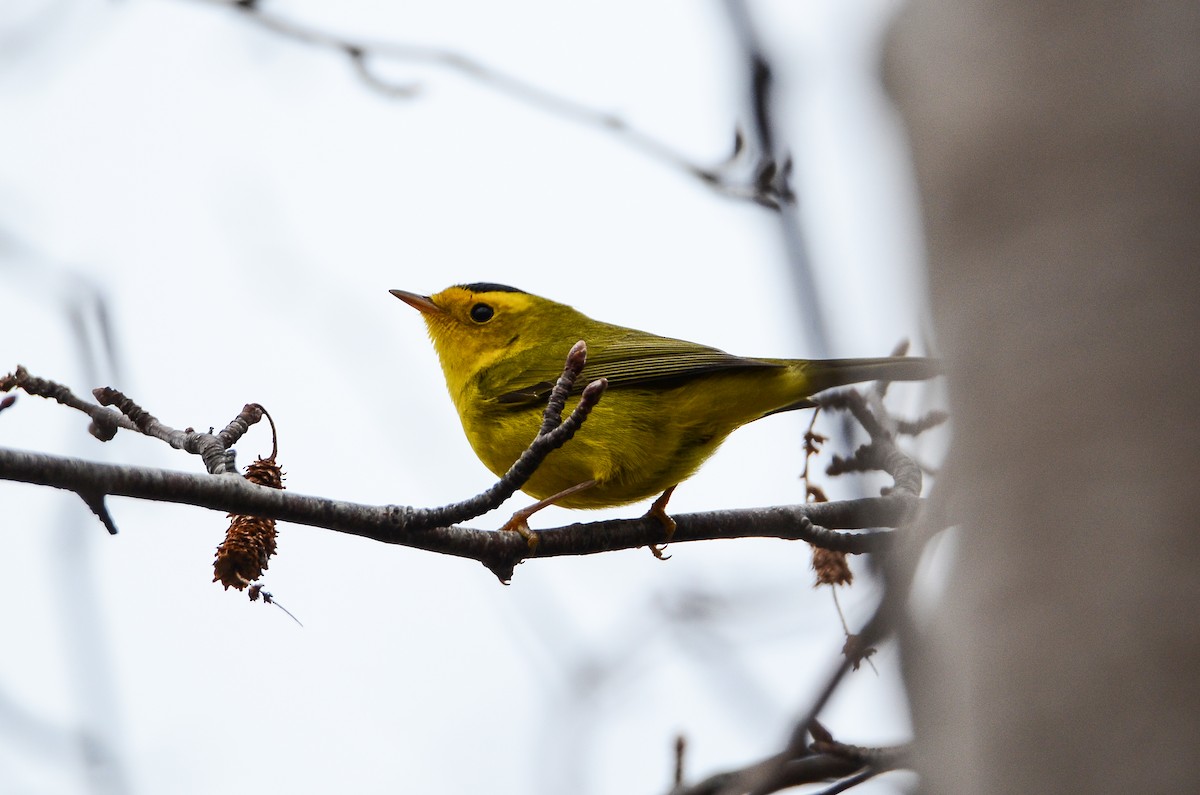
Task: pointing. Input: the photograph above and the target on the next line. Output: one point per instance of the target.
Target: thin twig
(927, 421)
(849, 782)
(680, 754)
(765, 188)
(105, 422)
(881, 453)
(879, 389)
(766, 136)
(97, 505)
(250, 414)
(810, 769)
(212, 450)
(553, 433)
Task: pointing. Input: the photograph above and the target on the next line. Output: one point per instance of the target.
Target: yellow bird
(669, 404)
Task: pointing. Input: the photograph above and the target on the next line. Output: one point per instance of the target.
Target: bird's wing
(631, 360)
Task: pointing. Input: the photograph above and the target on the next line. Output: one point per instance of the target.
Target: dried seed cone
(265, 472)
(832, 567)
(250, 540)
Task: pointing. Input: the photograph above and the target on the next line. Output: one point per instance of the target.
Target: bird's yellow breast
(635, 444)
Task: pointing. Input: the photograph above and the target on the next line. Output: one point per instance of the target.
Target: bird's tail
(824, 374)
(818, 375)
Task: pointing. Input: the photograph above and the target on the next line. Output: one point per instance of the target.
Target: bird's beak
(421, 303)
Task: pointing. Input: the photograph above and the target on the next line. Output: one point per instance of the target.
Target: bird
(669, 404)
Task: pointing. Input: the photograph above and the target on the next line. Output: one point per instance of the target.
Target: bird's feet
(659, 511)
(519, 522)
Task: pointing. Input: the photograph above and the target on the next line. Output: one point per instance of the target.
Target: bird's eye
(482, 313)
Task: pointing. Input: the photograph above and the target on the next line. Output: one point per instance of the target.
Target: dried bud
(832, 567)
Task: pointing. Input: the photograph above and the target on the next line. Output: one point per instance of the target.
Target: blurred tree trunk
(1057, 148)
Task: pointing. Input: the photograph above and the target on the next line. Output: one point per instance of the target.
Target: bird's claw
(659, 511)
(519, 523)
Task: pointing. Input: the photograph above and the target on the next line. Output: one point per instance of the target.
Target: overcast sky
(239, 205)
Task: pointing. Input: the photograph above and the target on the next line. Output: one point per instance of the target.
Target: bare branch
(768, 187)
(765, 137)
(927, 421)
(213, 450)
(812, 768)
(881, 453)
(816, 523)
(104, 422)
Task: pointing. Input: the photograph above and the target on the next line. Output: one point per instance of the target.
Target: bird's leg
(659, 511)
(519, 523)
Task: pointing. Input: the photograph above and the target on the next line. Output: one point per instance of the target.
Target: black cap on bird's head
(489, 287)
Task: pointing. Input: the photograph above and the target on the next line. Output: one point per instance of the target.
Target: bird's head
(474, 325)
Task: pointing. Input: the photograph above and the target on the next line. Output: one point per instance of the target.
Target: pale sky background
(242, 204)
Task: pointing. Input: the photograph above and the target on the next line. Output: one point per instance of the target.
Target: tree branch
(767, 185)
(824, 760)
(417, 528)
